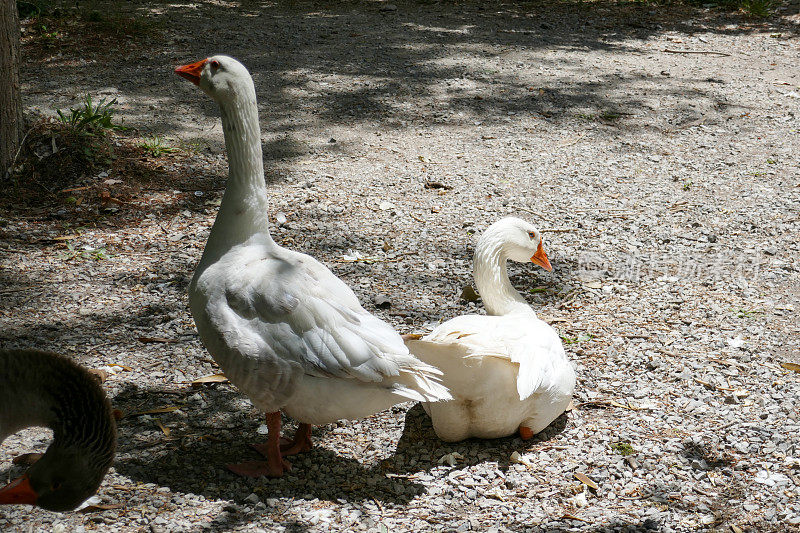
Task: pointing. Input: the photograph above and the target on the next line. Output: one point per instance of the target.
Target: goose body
(507, 370)
(44, 389)
(284, 329)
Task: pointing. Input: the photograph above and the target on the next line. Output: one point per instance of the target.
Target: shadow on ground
(395, 57)
(208, 433)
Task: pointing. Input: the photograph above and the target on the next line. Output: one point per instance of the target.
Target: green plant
(757, 8)
(580, 338)
(91, 118)
(96, 254)
(193, 146)
(155, 146)
(687, 185)
(752, 313)
(609, 116)
(50, 36)
(622, 448)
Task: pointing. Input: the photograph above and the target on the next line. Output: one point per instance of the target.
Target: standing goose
(285, 330)
(44, 389)
(506, 371)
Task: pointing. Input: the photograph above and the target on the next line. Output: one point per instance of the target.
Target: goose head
(60, 481)
(517, 240)
(221, 77)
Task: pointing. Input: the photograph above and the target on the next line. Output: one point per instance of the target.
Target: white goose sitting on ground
(44, 389)
(506, 371)
(284, 329)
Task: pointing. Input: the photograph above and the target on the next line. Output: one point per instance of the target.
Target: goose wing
(300, 312)
(521, 338)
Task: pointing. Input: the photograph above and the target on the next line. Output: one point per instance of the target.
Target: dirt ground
(656, 147)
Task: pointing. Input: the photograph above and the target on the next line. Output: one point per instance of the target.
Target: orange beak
(191, 72)
(19, 491)
(540, 258)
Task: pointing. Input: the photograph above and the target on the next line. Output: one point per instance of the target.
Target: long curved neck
(44, 389)
(244, 209)
(491, 279)
(83, 422)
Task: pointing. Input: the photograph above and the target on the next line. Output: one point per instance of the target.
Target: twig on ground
(705, 52)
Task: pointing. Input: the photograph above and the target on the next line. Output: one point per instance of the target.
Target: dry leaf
(573, 517)
(164, 428)
(607, 403)
(213, 378)
(583, 478)
(617, 404)
(791, 366)
(100, 507)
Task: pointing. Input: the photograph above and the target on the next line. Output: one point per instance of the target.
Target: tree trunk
(10, 101)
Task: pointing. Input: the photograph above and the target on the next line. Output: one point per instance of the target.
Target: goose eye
(55, 486)
(532, 235)
(214, 64)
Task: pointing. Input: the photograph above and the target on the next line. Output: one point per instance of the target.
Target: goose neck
(242, 133)
(83, 423)
(491, 279)
(55, 393)
(244, 210)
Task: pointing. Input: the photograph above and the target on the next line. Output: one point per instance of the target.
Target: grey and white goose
(287, 332)
(45, 389)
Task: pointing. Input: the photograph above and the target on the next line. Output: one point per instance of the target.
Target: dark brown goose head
(44, 389)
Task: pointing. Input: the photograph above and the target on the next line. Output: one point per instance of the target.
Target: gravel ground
(667, 184)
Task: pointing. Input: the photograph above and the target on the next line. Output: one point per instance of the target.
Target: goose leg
(275, 465)
(300, 443)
